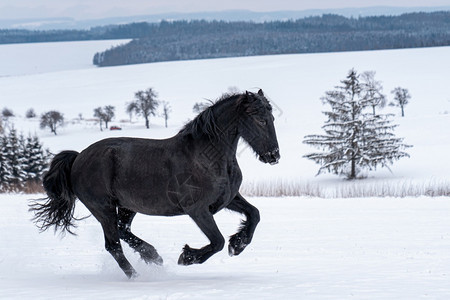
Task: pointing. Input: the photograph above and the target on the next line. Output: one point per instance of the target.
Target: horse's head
(256, 126)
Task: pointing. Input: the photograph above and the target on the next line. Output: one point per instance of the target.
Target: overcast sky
(88, 9)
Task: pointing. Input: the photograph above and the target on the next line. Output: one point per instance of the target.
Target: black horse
(194, 172)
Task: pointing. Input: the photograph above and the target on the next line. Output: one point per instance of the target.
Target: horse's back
(133, 172)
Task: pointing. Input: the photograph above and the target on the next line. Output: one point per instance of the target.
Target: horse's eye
(262, 122)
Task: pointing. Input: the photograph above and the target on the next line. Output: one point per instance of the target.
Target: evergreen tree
(35, 159)
(14, 159)
(4, 169)
(354, 139)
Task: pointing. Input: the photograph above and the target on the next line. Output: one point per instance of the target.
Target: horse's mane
(205, 122)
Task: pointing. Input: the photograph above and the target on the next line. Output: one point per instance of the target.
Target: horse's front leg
(244, 236)
(205, 221)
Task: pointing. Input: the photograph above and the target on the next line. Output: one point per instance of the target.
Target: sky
(90, 9)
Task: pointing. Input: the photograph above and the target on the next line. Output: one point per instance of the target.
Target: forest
(183, 40)
(198, 39)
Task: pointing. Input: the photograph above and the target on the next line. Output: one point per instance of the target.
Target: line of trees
(23, 161)
(184, 40)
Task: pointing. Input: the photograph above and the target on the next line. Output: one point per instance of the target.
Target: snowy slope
(26, 59)
(294, 83)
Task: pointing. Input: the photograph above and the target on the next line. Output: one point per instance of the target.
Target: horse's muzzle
(271, 157)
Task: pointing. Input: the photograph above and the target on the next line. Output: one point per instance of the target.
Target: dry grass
(31, 187)
(347, 189)
(335, 189)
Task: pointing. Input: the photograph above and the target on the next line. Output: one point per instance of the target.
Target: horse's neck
(227, 128)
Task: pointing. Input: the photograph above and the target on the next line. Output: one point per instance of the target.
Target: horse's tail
(58, 208)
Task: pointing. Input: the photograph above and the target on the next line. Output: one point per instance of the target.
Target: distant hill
(228, 15)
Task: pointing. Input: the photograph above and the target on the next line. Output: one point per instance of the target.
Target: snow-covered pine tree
(354, 139)
(4, 170)
(35, 159)
(14, 159)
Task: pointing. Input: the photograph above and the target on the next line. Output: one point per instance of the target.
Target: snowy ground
(36, 58)
(304, 248)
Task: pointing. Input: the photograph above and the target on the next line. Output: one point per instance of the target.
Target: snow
(50, 57)
(304, 248)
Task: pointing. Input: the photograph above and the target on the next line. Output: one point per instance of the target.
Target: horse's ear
(260, 92)
(250, 97)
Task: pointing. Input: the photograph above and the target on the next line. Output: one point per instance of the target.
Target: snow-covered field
(304, 248)
(35, 58)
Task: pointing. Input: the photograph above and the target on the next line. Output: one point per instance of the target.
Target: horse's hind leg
(205, 221)
(244, 236)
(148, 252)
(107, 216)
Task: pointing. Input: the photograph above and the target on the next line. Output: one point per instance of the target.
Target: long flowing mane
(205, 122)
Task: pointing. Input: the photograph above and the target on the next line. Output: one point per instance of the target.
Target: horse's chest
(228, 189)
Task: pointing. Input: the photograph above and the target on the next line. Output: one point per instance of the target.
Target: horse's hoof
(187, 257)
(236, 245)
(149, 254)
(155, 260)
(158, 261)
(131, 274)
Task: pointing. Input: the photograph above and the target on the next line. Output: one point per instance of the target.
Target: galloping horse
(194, 172)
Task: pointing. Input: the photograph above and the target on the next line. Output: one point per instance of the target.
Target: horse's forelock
(255, 103)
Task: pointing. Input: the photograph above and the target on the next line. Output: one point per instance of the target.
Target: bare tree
(98, 113)
(52, 119)
(145, 104)
(105, 114)
(166, 111)
(372, 90)
(6, 113)
(108, 114)
(30, 113)
(199, 107)
(401, 98)
(131, 108)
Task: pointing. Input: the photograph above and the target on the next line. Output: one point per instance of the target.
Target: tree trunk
(53, 128)
(353, 171)
(147, 123)
(403, 112)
